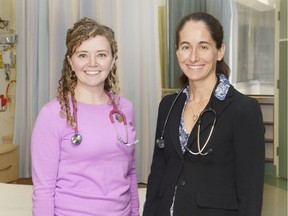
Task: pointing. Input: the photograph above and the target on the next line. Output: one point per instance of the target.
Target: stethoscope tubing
(161, 142)
(201, 149)
(116, 111)
(170, 110)
(77, 138)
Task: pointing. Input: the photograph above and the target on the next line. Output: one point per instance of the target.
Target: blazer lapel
(218, 106)
(173, 123)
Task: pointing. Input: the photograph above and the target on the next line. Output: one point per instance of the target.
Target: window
(255, 48)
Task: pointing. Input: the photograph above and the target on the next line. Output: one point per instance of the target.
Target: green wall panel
(283, 91)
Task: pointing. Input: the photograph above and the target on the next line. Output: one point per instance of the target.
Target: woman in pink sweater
(83, 141)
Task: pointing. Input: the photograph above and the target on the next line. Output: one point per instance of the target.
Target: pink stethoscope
(119, 116)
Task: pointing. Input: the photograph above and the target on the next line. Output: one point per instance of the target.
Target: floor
(274, 202)
(275, 193)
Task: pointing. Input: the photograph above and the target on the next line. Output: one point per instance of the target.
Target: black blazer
(226, 182)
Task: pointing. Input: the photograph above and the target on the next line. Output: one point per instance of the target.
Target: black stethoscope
(120, 117)
(161, 142)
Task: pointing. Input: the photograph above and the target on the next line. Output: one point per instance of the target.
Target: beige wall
(7, 11)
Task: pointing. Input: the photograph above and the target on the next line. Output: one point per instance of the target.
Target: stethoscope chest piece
(160, 143)
(76, 139)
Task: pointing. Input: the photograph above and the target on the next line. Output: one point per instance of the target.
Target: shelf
(269, 140)
(267, 108)
(268, 123)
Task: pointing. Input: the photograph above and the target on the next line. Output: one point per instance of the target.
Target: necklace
(196, 116)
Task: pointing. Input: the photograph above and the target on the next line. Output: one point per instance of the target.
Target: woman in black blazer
(218, 171)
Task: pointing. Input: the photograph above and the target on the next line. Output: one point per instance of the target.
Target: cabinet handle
(5, 168)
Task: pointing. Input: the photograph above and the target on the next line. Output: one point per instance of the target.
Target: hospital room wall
(283, 90)
(7, 12)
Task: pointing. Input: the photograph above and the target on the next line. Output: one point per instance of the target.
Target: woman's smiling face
(92, 62)
(197, 53)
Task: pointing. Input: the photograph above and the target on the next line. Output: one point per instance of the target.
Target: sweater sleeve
(45, 155)
(133, 174)
(134, 189)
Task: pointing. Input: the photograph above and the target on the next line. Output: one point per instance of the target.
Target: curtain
(41, 27)
(177, 10)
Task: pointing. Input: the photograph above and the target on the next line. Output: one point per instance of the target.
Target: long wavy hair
(217, 34)
(83, 30)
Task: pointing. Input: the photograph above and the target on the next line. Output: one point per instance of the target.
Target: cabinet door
(9, 166)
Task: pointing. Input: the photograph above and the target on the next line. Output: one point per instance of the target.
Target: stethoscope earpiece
(76, 139)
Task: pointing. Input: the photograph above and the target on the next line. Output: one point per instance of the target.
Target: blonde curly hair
(82, 30)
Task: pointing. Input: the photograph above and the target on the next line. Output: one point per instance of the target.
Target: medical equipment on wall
(9, 97)
(7, 39)
(7, 49)
(7, 35)
(7, 61)
(114, 113)
(200, 147)
(3, 103)
(8, 57)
